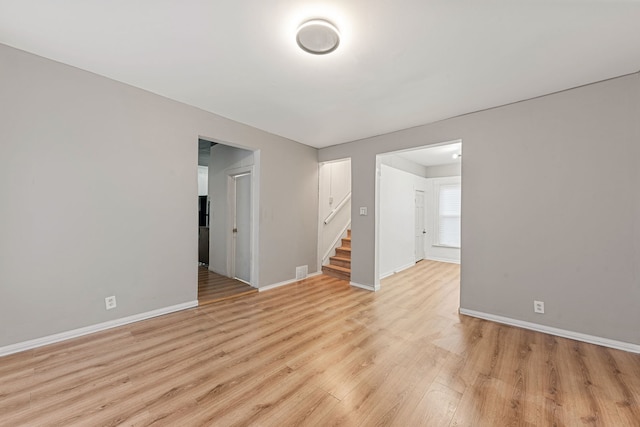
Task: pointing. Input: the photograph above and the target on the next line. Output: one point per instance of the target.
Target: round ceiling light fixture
(318, 37)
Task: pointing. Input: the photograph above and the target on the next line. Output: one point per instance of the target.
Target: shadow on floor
(213, 287)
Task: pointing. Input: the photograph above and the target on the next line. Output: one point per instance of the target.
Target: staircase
(340, 264)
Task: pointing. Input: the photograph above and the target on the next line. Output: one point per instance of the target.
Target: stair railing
(334, 244)
(333, 213)
(331, 249)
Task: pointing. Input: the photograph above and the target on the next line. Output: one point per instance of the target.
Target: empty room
(498, 285)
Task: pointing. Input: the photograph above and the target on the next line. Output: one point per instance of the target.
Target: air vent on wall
(301, 272)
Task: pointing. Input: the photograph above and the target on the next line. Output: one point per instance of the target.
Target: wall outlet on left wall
(110, 302)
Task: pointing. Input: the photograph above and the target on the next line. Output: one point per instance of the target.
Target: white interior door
(420, 229)
(242, 228)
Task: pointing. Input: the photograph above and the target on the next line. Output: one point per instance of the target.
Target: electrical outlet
(363, 211)
(110, 302)
(538, 307)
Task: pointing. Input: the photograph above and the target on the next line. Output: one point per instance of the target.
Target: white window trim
(437, 183)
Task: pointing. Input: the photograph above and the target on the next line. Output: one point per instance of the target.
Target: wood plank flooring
(321, 353)
(213, 287)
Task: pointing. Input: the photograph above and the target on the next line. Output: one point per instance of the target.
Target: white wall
(203, 180)
(403, 164)
(454, 169)
(98, 190)
(550, 207)
(397, 218)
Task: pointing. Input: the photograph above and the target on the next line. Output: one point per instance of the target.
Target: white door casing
(241, 227)
(420, 229)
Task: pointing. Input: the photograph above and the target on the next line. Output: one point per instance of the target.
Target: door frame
(378, 169)
(420, 257)
(231, 175)
(322, 183)
(232, 185)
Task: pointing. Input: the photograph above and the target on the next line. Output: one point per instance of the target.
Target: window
(448, 219)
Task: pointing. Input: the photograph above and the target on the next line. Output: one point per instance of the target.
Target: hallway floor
(213, 287)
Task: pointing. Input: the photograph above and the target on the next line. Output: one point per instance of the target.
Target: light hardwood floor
(213, 287)
(321, 353)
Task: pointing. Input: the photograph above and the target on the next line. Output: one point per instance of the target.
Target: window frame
(438, 183)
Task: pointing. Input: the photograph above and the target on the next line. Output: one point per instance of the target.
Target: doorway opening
(228, 220)
(418, 207)
(334, 218)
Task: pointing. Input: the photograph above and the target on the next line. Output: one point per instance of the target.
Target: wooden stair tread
(337, 268)
(340, 264)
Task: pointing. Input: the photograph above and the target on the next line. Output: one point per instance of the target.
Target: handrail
(337, 208)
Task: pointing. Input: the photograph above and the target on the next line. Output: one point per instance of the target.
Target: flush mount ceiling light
(318, 37)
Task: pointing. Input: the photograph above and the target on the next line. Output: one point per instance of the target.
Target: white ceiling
(433, 156)
(399, 64)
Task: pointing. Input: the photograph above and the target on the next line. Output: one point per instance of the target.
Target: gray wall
(550, 207)
(98, 189)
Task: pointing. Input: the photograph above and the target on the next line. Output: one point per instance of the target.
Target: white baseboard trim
(75, 333)
(397, 270)
(449, 260)
(365, 287)
(591, 339)
(287, 282)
